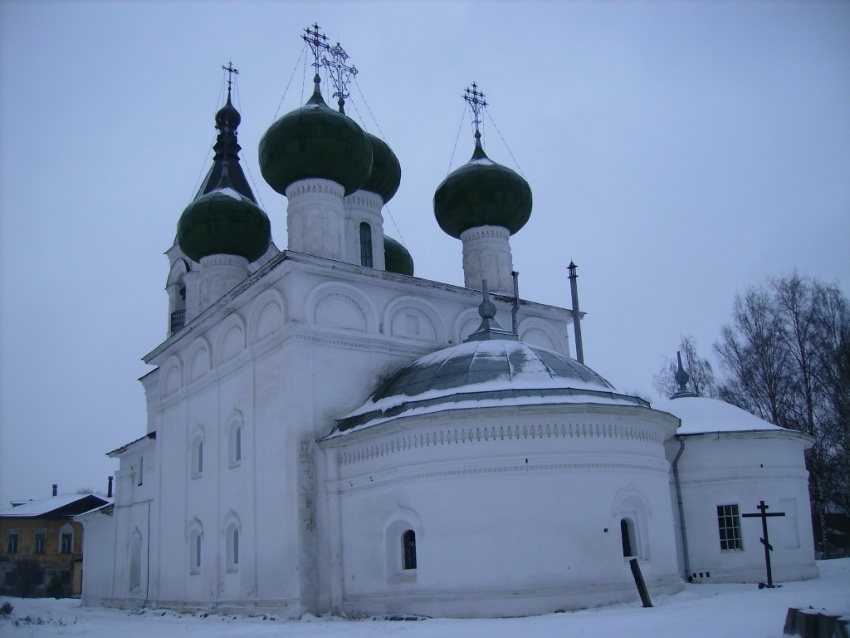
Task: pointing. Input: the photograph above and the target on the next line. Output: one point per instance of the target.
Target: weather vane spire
(341, 73)
(477, 103)
(231, 71)
(318, 42)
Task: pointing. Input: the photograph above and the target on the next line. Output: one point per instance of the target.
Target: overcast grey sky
(677, 152)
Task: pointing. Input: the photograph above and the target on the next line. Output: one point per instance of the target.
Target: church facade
(328, 433)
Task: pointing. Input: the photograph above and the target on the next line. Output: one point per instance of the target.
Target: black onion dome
(228, 116)
(223, 222)
(315, 141)
(497, 370)
(386, 171)
(397, 258)
(482, 193)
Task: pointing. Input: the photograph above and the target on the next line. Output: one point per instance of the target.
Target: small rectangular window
(141, 471)
(12, 543)
(66, 543)
(40, 538)
(729, 525)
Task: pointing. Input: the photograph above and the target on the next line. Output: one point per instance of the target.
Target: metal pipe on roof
(576, 313)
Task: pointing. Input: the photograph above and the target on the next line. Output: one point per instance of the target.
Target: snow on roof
(470, 401)
(484, 373)
(700, 415)
(44, 506)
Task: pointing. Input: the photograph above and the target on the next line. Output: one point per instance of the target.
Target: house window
(232, 538)
(141, 470)
(38, 545)
(195, 552)
(66, 540)
(627, 531)
(235, 453)
(366, 245)
(12, 542)
(197, 457)
(408, 550)
(729, 524)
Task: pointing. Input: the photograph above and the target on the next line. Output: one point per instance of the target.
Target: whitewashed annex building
(328, 433)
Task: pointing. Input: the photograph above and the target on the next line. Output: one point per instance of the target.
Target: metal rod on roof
(576, 313)
(515, 309)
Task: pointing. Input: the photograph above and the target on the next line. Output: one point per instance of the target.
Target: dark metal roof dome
(396, 257)
(482, 193)
(492, 370)
(315, 141)
(223, 222)
(386, 171)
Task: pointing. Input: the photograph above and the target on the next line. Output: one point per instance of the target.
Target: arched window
(627, 531)
(135, 561)
(408, 550)
(195, 540)
(366, 245)
(232, 550)
(197, 456)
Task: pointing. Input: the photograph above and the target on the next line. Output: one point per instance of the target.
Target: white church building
(327, 433)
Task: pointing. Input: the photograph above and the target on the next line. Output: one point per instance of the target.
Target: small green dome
(315, 141)
(386, 171)
(223, 222)
(397, 258)
(482, 193)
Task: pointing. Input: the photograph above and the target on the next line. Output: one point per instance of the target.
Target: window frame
(367, 253)
(13, 536)
(729, 528)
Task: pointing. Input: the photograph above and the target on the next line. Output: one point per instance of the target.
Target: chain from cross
(340, 72)
(231, 71)
(477, 103)
(318, 42)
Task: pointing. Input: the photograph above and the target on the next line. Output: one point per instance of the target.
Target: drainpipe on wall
(681, 508)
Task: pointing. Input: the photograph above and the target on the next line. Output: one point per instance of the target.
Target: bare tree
(786, 360)
(701, 382)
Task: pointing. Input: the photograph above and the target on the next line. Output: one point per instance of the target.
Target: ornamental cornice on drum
(485, 232)
(496, 433)
(363, 199)
(357, 484)
(314, 185)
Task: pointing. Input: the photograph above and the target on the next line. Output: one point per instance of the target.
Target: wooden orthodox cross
(762, 514)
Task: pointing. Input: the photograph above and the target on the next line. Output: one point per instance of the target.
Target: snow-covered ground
(701, 611)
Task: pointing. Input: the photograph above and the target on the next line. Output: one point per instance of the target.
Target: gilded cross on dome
(476, 101)
(318, 42)
(231, 71)
(341, 73)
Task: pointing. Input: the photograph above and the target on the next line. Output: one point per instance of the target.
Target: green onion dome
(386, 171)
(315, 141)
(482, 193)
(223, 222)
(397, 258)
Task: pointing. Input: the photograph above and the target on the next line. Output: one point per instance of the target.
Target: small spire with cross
(477, 103)
(231, 71)
(318, 42)
(341, 73)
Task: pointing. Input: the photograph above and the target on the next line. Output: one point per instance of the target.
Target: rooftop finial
(682, 378)
(341, 73)
(489, 327)
(318, 42)
(231, 71)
